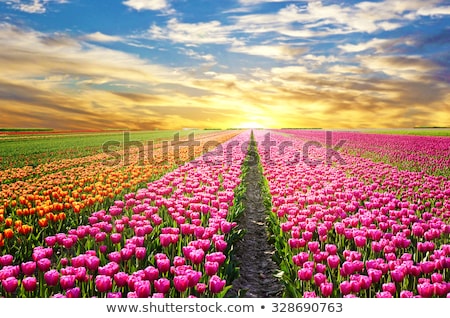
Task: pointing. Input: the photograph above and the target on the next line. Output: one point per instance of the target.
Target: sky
(172, 64)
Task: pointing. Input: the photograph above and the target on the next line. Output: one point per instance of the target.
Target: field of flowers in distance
(350, 214)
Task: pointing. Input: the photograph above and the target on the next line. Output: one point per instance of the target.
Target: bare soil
(254, 253)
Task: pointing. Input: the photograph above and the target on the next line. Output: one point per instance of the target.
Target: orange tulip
(43, 222)
(22, 200)
(8, 233)
(25, 229)
(8, 222)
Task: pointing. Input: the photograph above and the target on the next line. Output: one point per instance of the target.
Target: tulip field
(367, 218)
(360, 228)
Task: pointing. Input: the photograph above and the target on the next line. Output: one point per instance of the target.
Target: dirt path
(253, 252)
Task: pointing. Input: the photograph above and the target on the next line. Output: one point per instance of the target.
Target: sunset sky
(169, 64)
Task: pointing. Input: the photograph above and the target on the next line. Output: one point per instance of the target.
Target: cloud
(277, 52)
(434, 11)
(32, 6)
(404, 67)
(255, 2)
(100, 37)
(198, 56)
(140, 5)
(317, 19)
(193, 33)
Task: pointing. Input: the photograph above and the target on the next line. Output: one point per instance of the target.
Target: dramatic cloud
(174, 64)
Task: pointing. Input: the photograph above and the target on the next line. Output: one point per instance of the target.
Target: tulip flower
(162, 285)
(28, 268)
(211, 268)
(73, 292)
(6, 260)
(181, 283)
(142, 288)
(103, 283)
(29, 283)
(67, 281)
(326, 289)
(10, 284)
(51, 277)
(216, 284)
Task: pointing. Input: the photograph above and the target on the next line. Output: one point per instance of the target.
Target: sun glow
(251, 124)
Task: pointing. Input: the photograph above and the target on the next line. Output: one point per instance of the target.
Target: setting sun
(250, 124)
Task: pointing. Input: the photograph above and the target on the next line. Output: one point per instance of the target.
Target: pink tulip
(360, 241)
(92, 262)
(225, 227)
(165, 239)
(181, 283)
(51, 277)
(120, 279)
(440, 289)
(313, 246)
(216, 284)
(67, 281)
(50, 241)
(211, 268)
(140, 252)
(305, 274)
(142, 288)
(115, 238)
(10, 284)
(126, 253)
(44, 264)
(103, 283)
(331, 249)
(151, 273)
(28, 268)
(163, 265)
(397, 275)
(197, 256)
(333, 261)
(115, 257)
(345, 287)
(389, 287)
(162, 285)
(383, 294)
(29, 283)
(73, 292)
(319, 279)
(406, 294)
(220, 245)
(326, 289)
(200, 288)
(425, 290)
